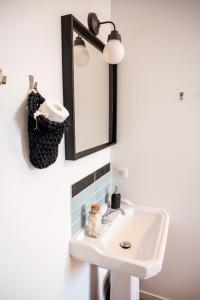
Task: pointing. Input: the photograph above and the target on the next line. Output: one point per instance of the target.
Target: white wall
(159, 136)
(35, 204)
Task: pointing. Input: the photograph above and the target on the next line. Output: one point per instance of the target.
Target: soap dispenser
(116, 199)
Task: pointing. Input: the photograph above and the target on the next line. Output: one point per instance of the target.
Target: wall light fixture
(114, 50)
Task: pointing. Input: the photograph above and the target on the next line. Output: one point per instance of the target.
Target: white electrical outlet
(122, 172)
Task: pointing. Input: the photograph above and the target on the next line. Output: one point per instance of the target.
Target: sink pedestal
(124, 287)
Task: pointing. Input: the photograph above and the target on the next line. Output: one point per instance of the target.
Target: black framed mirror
(89, 93)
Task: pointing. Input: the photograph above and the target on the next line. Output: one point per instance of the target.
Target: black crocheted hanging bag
(44, 135)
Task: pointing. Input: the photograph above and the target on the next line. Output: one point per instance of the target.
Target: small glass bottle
(94, 221)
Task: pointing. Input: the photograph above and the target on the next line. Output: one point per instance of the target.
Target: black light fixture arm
(94, 25)
(108, 22)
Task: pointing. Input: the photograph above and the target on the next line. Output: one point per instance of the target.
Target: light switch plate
(122, 172)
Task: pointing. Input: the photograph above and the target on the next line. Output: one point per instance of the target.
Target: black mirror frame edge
(69, 24)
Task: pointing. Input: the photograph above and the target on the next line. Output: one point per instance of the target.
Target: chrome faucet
(110, 211)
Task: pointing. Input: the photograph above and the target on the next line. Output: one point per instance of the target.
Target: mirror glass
(91, 100)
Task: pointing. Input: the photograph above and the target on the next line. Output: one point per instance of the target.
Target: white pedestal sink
(146, 229)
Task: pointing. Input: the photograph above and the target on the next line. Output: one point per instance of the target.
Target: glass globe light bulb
(113, 52)
(81, 56)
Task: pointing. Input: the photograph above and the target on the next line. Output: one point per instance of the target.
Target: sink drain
(125, 244)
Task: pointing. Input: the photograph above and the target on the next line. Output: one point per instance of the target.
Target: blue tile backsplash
(98, 190)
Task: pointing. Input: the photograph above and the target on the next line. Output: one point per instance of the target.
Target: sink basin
(144, 227)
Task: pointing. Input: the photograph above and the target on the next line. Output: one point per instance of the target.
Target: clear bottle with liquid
(94, 221)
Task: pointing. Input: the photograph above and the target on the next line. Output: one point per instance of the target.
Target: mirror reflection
(91, 97)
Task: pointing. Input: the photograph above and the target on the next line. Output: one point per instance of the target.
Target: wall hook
(181, 95)
(32, 85)
(35, 86)
(3, 78)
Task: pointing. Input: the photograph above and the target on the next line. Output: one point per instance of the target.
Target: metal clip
(32, 85)
(3, 78)
(181, 95)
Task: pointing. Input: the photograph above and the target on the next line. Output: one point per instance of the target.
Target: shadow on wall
(94, 282)
(21, 118)
(75, 265)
